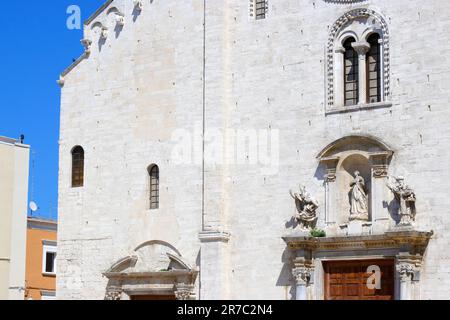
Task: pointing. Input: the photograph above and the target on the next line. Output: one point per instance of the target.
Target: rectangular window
(49, 258)
(351, 74)
(373, 70)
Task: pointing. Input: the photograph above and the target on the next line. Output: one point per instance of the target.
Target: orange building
(40, 275)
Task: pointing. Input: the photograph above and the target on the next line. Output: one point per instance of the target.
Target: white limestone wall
(123, 104)
(275, 78)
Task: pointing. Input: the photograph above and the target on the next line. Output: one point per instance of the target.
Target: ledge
(358, 107)
(416, 241)
(214, 236)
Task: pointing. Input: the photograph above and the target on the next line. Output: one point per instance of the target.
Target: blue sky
(36, 47)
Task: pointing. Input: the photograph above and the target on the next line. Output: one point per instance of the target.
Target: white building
(185, 124)
(14, 163)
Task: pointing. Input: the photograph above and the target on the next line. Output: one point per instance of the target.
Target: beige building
(185, 124)
(14, 161)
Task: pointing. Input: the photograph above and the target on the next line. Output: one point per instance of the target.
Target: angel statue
(306, 207)
(406, 198)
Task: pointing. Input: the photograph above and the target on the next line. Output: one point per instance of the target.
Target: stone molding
(214, 236)
(415, 241)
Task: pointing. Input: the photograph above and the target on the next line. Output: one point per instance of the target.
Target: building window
(358, 62)
(258, 9)
(373, 70)
(49, 258)
(351, 74)
(153, 172)
(77, 167)
(48, 295)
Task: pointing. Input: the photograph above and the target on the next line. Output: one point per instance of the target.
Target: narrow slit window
(77, 167)
(351, 74)
(154, 186)
(373, 70)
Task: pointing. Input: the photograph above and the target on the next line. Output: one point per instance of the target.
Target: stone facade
(154, 67)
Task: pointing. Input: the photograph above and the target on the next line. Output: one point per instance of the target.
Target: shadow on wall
(286, 279)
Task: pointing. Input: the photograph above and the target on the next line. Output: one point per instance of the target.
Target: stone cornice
(98, 12)
(392, 239)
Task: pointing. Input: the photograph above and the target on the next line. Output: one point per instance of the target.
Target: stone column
(408, 272)
(380, 166)
(331, 191)
(302, 276)
(339, 77)
(303, 273)
(362, 48)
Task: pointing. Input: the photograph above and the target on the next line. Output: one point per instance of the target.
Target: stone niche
(341, 160)
(155, 268)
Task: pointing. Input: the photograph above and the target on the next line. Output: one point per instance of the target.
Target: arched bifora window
(153, 172)
(373, 69)
(351, 73)
(77, 167)
(358, 61)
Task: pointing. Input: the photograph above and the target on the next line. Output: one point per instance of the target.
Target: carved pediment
(154, 258)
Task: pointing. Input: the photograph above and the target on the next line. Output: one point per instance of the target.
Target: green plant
(318, 233)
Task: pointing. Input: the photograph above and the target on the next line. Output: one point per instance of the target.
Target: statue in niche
(406, 198)
(359, 200)
(307, 209)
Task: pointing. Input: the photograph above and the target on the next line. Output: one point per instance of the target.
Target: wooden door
(347, 280)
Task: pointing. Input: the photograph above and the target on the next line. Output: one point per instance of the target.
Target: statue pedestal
(355, 228)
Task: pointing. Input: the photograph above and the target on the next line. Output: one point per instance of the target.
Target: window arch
(77, 167)
(351, 73)
(153, 172)
(371, 34)
(373, 69)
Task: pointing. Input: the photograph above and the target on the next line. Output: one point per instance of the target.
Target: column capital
(361, 47)
(331, 165)
(184, 291)
(113, 293)
(408, 268)
(380, 163)
(303, 275)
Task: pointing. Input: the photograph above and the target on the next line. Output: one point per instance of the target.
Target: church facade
(252, 149)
